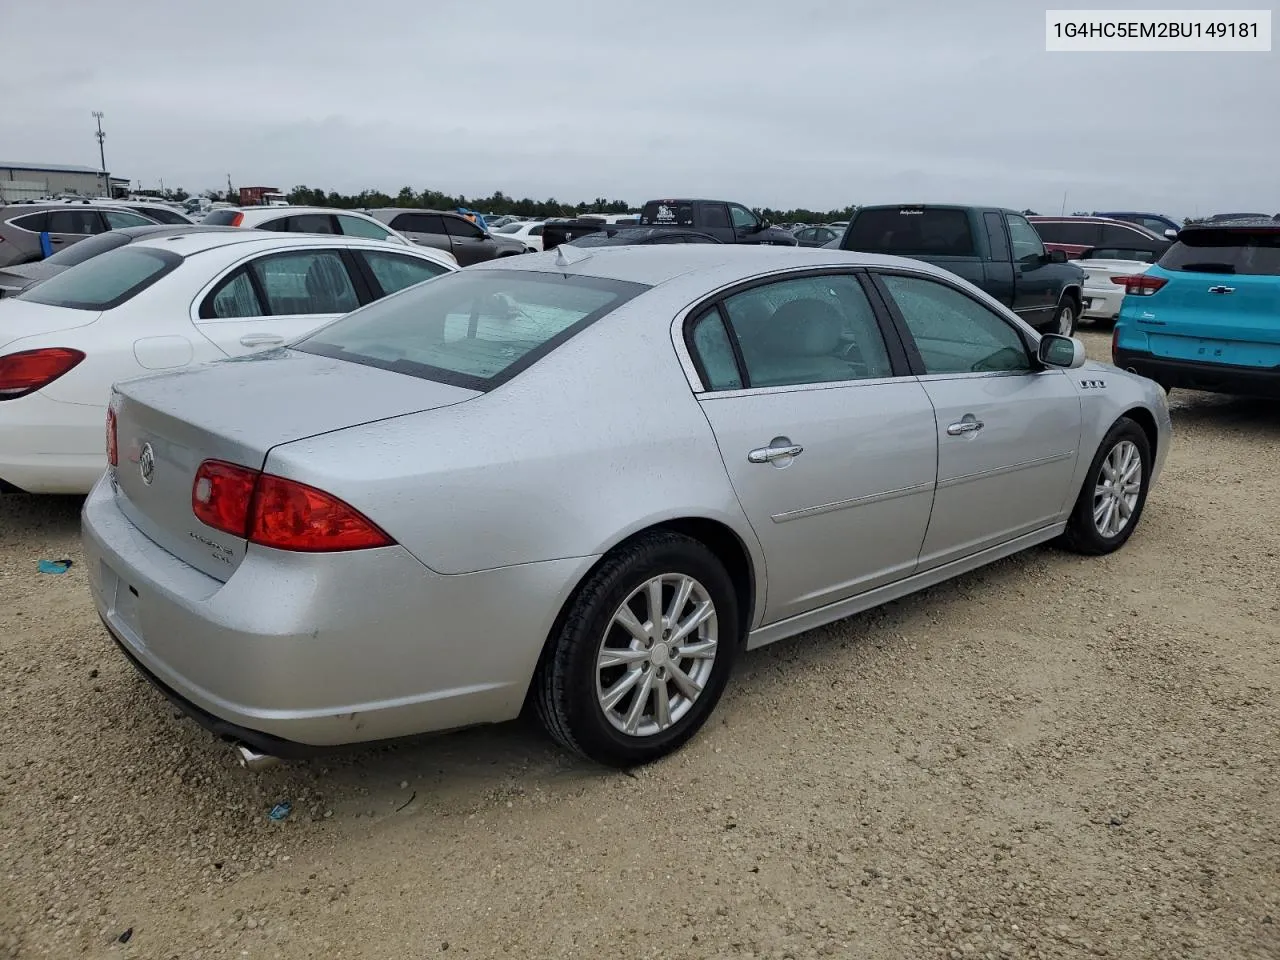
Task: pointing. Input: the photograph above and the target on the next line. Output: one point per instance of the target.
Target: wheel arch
(1144, 419)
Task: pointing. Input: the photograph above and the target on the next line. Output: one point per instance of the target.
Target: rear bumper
(1104, 303)
(1194, 375)
(47, 446)
(297, 651)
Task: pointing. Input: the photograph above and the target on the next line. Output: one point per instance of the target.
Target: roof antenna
(567, 255)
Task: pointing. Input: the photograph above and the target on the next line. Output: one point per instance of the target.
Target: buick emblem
(147, 463)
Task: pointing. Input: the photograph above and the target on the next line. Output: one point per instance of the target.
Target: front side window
(1026, 243)
(394, 271)
(465, 229)
(360, 227)
(808, 330)
(310, 281)
(536, 231)
(163, 215)
(954, 333)
(743, 219)
(104, 282)
(471, 328)
(119, 220)
(82, 222)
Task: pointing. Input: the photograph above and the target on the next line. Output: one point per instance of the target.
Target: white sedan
(528, 232)
(163, 305)
(1103, 284)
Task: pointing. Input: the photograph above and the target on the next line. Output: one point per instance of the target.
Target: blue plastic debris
(281, 810)
(54, 566)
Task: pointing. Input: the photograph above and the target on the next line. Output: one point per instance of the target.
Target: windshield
(220, 218)
(106, 281)
(471, 329)
(1255, 252)
(88, 249)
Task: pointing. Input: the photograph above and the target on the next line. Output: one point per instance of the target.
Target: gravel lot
(1052, 757)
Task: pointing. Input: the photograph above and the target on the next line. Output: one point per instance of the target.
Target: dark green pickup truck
(994, 249)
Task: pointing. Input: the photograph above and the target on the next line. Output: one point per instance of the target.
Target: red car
(1109, 239)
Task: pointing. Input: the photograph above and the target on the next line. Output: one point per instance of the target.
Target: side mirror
(1057, 256)
(1171, 233)
(1059, 351)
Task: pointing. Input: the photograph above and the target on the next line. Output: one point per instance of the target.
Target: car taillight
(1115, 340)
(222, 496)
(31, 370)
(237, 219)
(1140, 285)
(276, 512)
(113, 450)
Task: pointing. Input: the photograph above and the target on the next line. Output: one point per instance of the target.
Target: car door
(828, 441)
(275, 298)
(424, 229)
(1008, 430)
(746, 226)
(469, 243)
(1035, 286)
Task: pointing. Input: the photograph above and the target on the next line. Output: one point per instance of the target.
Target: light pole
(102, 154)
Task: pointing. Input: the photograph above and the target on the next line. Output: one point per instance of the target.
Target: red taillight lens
(276, 512)
(237, 219)
(222, 496)
(31, 370)
(289, 515)
(113, 450)
(1140, 285)
(1115, 340)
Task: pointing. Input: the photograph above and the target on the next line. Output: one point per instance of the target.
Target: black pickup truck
(995, 249)
(727, 222)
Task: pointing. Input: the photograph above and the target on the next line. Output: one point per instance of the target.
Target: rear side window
(715, 216)
(996, 239)
(911, 232)
(310, 281)
(419, 223)
(667, 213)
(713, 352)
(472, 328)
(105, 281)
(82, 222)
(1244, 252)
(220, 218)
(233, 299)
(311, 223)
(163, 215)
(1077, 233)
(35, 222)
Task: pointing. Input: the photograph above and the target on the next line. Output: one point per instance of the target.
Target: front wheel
(641, 654)
(1114, 493)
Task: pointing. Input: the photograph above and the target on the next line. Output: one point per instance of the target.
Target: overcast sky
(775, 103)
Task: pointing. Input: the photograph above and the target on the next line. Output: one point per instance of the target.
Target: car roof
(38, 205)
(1123, 223)
(656, 264)
(445, 213)
(1250, 225)
(290, 210)
(188, 243)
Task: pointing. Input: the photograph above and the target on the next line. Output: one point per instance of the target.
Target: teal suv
(1207, 315)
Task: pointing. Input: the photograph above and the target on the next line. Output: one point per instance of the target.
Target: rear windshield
(220, 218)
(669, 213)
(106, 281)
(1255, 252)
(911, 232)
(90, 248)
(473, 329)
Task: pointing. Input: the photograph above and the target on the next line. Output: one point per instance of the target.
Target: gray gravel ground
(1052, 757)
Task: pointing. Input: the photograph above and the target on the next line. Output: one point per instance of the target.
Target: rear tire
(1114, 493)
(596, 690)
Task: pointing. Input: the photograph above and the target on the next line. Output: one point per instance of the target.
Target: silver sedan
(583, 482)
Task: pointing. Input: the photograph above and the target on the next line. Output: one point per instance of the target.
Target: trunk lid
(20, 319)
(1098, 273)
(237, 410)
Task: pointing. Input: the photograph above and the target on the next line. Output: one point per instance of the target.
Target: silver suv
(21, 225)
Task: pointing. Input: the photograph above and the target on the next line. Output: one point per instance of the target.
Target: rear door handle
(261, 340)
(968, 424)
(779, 449)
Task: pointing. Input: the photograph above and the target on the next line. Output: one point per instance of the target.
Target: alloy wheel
(656, 655)
(1117, 488)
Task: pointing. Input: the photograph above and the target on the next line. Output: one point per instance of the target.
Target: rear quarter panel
(596, 441)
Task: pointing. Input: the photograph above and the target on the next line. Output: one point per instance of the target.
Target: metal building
(31, 181)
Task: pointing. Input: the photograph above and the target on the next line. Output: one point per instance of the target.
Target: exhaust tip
(252, 760)
(1130, 370)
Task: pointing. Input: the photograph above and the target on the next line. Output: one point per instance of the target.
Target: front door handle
(967, 424)
(780, 448)
(261, 340)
